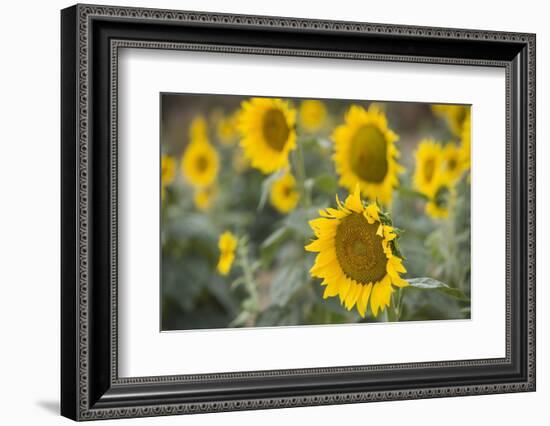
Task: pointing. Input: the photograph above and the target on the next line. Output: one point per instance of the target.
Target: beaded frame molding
(91, 37)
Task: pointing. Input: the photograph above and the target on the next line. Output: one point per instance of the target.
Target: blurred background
(269, 284)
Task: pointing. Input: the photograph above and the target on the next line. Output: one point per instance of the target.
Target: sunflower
(227, 244)
(454, 115)
(168, 172)
(357, 258)
(198, 129)
(283, 195)
(313, 114)
(200, 162)
(227, 129)
(443, 198)
(365, 154)
(451, 162)
(204, 197)
(268, 135)
(428, 166)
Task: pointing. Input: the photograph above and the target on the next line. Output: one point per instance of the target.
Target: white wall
(29, 225)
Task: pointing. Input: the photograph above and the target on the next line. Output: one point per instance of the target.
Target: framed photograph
(263, 212)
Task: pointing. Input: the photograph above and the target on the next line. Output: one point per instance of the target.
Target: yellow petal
(398, 281)
(331, 213)
(389, 233)
(375, 299)
(363, 300)
(344, 285)
(322, 224)
(320, 244)
(330, 291)
(339, 203)
(372, 212)
(381, 295)
(398, 264)
(352, 295)
(353, 201)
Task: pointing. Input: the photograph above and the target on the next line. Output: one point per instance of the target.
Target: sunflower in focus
(284, 195)
(313, 114)
(200, 161)
(443, 198)
(365, 154)
(168, 172)
(451, 161)
(227, 244)
(268, 134)
(428, 166)
(205, 196)
(358, 257)
(227, 129)
(454, 115)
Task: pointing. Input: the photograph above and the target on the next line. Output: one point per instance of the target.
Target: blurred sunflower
(283, 195)
(365, 153)
(442, 200)
(465, 145)
(268, 135)
(168, 172)
(227, 244)
(313, 114)
(198, 129)
(200, 161)
(454, 115)
(227, 129)
(357, 258)
(428, 166)
(204, 197)
(451, 162)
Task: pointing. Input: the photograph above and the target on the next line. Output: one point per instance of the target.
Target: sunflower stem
(393, 309)
(248, 275)
(301, 174)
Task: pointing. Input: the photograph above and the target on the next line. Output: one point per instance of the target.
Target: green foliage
(431, 284)
(426, 298)
(269, 283)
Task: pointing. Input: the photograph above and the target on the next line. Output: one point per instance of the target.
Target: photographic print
(290, 211)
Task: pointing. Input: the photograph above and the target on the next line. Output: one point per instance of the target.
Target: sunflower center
(287, 191)
(201, 163)
(359, 250)
(275, 129)
(368, 154)
(452, 164)
(429, 169)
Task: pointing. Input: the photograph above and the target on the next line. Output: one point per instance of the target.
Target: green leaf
(298, 220)
(275, 238)
(409, 192)
(326, 183)
(287, 281)
(426, 283)
(240, 320)
(271, 244)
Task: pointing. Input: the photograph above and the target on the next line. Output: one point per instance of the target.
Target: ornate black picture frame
(90, 38)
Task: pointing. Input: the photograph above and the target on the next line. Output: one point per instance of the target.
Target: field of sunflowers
(282, 212)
